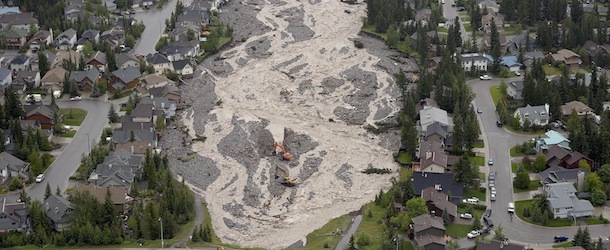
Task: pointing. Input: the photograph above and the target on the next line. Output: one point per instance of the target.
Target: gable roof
(562, 195)
(40, 35)
(56, 74)
(578, 106)
(16, 212)
(125, 57)
(18, 18)
(118, 194)
(533, 55)
(425, 221)
(423, 180)
(44, 110)
(136, 147)
(152, 79)
(164, 90)
(516, 85)
(10, 162)
(554, 137)
(436, 128)
(4, 73)
(156, 58)
(58, 208)
(556, 174)
(91, 74)
(429, 146)
(127, 75)
(180, 64)
(510, 61)
(440, 200)
(532, 113)
(67, 34)
(20, 59)
(429, 115)
(15, 33)
(123, 136)
(98, 56)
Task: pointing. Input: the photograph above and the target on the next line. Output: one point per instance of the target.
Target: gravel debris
(330, 84)
(259, 48)
(244, 21)
(345, 175)
(295, 18)
(304, 85)
(297, 143)
(236, 146)
(287, 63)
(310, 166)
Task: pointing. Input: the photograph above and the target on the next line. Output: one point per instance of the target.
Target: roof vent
(438, 187)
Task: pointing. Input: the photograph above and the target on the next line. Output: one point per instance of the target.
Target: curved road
(498, 143)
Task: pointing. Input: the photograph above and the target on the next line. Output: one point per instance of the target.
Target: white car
(493, 190)
(485, 77)
(492, 197)
(473, 200)
(517, 73)
(466, 216)
(473, 234)
(490, 162)
(511, 207)
(39, 178)
(76, 98)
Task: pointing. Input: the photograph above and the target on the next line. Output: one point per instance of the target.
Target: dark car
(499, 124)
(485, 230)
(560, 238)
(488, 222)
(487, 213)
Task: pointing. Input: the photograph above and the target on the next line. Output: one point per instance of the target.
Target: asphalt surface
(344, 242)
(450, 14)
(57, 175)
(154, 19)
(498, 142)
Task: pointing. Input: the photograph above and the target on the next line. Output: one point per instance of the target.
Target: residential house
(439, 133)
(59, 210)
(20, 63)
(66, 40)
(120, 136)
(114, 37)
(435, 162)
(434, 62)
(8, 10)
(183, 68)
(581, 109)
(423, 180)
(26, 80)
(499, 245)
(429, 146)
(430, 34)
(428, 232)
(515, 90)
(196, 19)
(93, 36)
(126, 60)
(110, 5)
(20, 21)
(13, 216)
(520, 42)
(563, 202)
(475, 61)
(6, 78)
(138, 148)
(15, 38)
(64, 56)
(53, 79)
(423, 15)
(41, 113)
(552, 138)
(592, 49)
(536, 115)
(159, 62)
(35, 64)
(124, 79)
(155, 81)
(557, 174)
(438, 202)
(486, 42)
(41, 38)
(163, 104)
(170, 91)
(511, 63)
(85, 80)
(568, 57)
(177, 51)
(559, 156)
(431, 115)
(11, 166)
(128, 123)
(529, 57)
(491, 5)
(118, 169)
(118, 194)
(492, 18)
(98, 60)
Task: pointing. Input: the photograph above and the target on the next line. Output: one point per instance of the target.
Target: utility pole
(88, 144)
(160, 220)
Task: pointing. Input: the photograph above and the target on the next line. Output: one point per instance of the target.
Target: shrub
(358, 44)
(363, 240)
(15, 184)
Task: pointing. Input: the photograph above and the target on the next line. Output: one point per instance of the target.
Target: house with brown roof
(98, 60)
(429, 146)
(434, 162)
(135, 147)
(153, 81)
(41, 38)
(582, 110)
(19, 21)
(118, 194)
(53, 79)
(428, 232)
(492, 17)
(559, 156)
(66, 56)
(438, 202)
(169, 91)
(85, 80)
(41, 113)
(566, 56)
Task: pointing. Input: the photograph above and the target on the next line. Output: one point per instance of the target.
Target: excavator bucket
(285, 155)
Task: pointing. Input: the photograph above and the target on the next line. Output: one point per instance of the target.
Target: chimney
(46, 206)
(132, 149)
(109, 166)
(56, 210)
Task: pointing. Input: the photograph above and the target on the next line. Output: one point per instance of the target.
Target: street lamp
(396, 240)
(88, 143)
(160, 220)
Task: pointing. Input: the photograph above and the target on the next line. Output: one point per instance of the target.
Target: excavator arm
(285, 155)
(287, 181)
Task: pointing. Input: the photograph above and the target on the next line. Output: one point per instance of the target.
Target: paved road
(450, 14)
(199, 216)
(344, 242)
(67, 163)
(154, 19)
(499, 142)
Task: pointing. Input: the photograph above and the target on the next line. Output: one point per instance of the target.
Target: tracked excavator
(285, 155)
(287, 181)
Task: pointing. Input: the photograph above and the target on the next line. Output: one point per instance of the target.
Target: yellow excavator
(287, 181)
(285, 155)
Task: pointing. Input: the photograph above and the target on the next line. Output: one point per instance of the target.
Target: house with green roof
(15, 38)
(552, 138)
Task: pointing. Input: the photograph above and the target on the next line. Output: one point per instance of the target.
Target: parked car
(498, 124)
(479, 110)
(473, 234)
(517, 73)
(560, 238)
(485, 230)
(511, 207)
(466, 216)
(39, 178)
(472, 200)
(492, 176)
(492, 197)
(492, 190)
(487, 212)
(485, 77)
(461, 8)
(76, 98)
(490, 162)
(488, 222)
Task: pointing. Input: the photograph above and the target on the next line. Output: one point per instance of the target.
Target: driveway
(498, 142)
(343, 244)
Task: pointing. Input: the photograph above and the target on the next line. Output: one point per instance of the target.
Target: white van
(511, 207)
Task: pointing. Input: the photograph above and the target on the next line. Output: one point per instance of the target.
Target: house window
(556, 210)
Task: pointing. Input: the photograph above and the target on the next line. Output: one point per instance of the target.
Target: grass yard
(495, 93)
(476, 212)
(404, 158)
(514, 167)
(327, 234)
(534, 184)
(514, 151)
(68, 134)
(477, 160)
(406, 173)
(372, 226)
(520, 205)
(479, 144)
(474, 192)
(121, 95)
(457, 230)
(593, 221)
(550, 70)
(562, 245)
(73, 116)
(468, 27)
(442, 29)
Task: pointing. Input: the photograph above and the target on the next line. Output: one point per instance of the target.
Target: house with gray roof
(430, 115)
(180, 50)
(124, 79)
(529, 57)
(85, 80)
(557, 174)
(11, 166)
(126, 60)
(6, 78)
(66, 39)
(183, 68)
(118, 169)
(13, 216)
(26, 80)
(439, 133)
(90, 35)
(536, 115)
(428, 232)
(563, 202)
(97, 60)
(520, 42)
(120, 136)
(474, 61)
(19, 20)
(114, 37)
(41, 38)
(20, 62)
(59, 210)
(162, 104)
(159, 62)
(170, 91)
(515, 90)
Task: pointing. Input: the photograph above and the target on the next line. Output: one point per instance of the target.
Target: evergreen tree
(47, 191)
(112, 115)
(43, 63)
(57, 191)
(496, 51)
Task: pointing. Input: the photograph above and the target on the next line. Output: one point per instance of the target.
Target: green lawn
(520, 205)
(468, 27)
(534, 184)
(495, 93)
(477, 160)
(372, 226)
(457, 230)
(327, 234)
(474, 192)
(404, 158)
(121, 95)
(514, 152)
(476, 212)
(479, 144)
(550, 70)
(593, 221)
(562, 245)
(73, 116)
(406, 173)
(514, 167)
(442, 29)
(68, 134)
